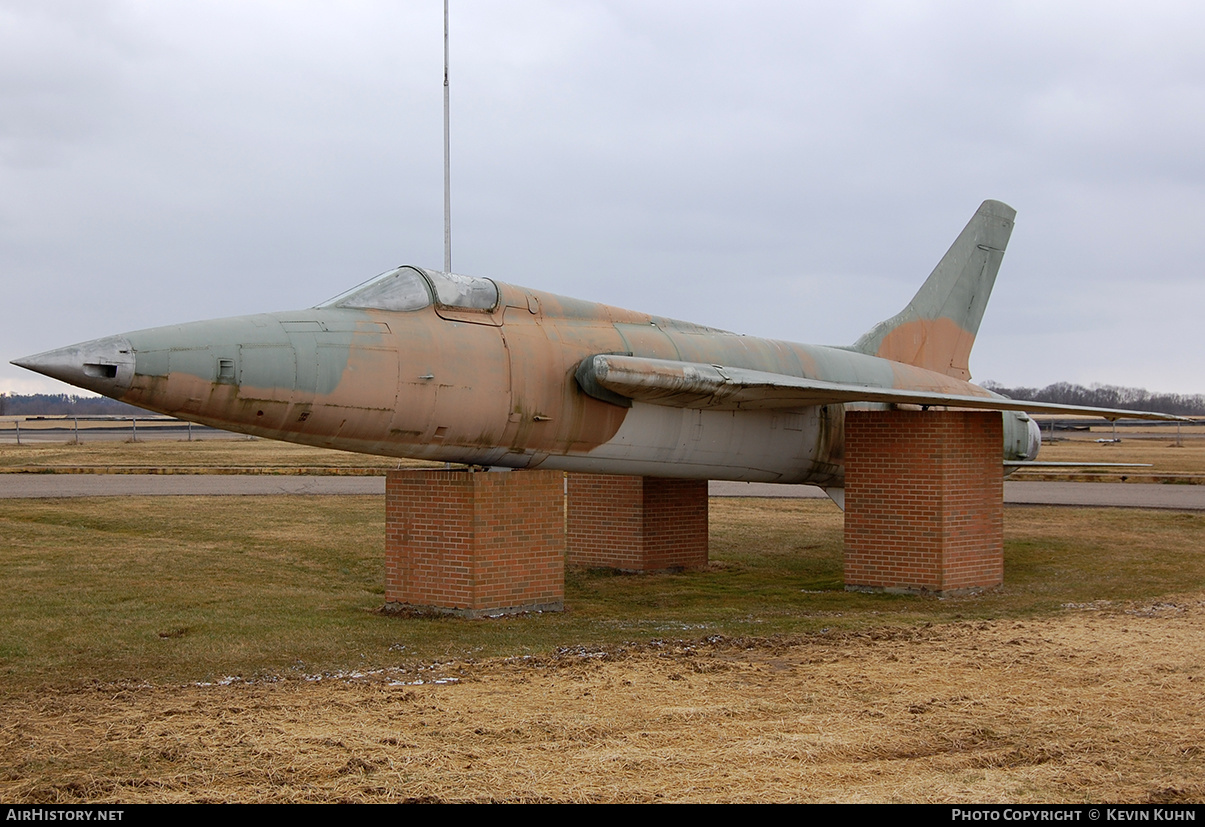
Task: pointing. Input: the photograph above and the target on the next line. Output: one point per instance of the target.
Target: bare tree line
(60, 404)
(1107, 396)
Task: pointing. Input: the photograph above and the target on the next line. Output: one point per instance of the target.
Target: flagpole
(447, 158)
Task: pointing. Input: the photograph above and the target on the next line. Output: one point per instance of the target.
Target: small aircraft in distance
(439, 366)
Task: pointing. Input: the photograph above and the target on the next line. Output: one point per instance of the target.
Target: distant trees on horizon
(1107, 396)
(61, 404)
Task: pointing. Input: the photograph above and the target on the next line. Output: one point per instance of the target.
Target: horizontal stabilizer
(715, 387)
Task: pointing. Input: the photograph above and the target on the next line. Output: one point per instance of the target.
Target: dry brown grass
(1175, 453)
(1101, 703)
(169, 456)
(1162, 454)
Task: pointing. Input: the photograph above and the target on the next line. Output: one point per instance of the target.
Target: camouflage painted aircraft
(439, 366)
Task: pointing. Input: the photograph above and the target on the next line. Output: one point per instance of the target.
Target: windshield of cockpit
(412, 288)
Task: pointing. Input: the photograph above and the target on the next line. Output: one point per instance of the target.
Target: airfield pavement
(21, 486)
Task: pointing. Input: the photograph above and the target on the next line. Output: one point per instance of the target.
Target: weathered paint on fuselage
(497, 388)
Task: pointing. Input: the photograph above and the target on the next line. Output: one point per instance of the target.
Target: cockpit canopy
(413, 288)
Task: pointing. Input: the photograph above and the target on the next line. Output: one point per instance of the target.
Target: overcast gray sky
(783, 169)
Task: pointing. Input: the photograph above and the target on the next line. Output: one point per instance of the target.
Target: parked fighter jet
(432, 365)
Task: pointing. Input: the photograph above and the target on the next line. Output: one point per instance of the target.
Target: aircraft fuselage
(492, 386)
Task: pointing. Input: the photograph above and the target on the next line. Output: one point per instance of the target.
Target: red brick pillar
(475, 544)
(924, 501)
(637, 523)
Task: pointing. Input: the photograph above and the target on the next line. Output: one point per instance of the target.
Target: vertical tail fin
(937, 329)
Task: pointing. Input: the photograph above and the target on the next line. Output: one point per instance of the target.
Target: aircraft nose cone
(105, 366)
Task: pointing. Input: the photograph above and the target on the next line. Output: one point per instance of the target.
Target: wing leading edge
(623, 379)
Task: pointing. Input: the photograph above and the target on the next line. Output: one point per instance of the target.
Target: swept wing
(717, 387)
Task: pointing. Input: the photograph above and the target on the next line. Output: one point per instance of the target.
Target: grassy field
(196, 589)
(231, 649)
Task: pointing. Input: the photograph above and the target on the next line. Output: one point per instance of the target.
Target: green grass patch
(179, 589)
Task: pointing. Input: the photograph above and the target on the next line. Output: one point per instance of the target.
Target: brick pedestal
(924, 501)
(475, 544)
(636, 523)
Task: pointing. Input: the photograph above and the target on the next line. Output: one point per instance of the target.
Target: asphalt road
(1125, 495)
